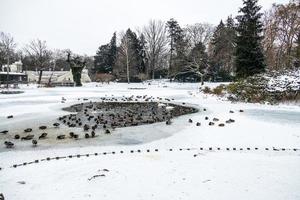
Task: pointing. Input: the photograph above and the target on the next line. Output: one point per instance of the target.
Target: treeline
(35, 56)
(237, 47)
(282, 35)
(157, 50)
(250, 43)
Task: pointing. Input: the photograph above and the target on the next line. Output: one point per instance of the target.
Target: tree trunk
(127, 67)
(153, 71)
(7, 70)
(40, 76)
(171, 58)
(153, 64)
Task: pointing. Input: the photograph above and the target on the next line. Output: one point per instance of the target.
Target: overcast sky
(83, 25)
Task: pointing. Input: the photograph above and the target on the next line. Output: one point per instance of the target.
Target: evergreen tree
(218, 44)
(194, 65)
(106, 56)
(198, 56)
(181, 54)
(230, 36)
(142, 53)
(176, 41)
(101, 61)
(136, 49)
(222, 51)
(113, 50)
(197, 62)
(249, 57)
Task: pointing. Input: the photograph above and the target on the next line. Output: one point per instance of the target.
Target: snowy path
(254, 174)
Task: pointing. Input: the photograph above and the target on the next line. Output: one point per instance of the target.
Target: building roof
(13, 73)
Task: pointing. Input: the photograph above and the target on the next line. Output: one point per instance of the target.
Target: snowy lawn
(163, 174)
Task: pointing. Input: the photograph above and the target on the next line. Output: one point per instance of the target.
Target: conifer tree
(106, 56)
(222, 51)
(113, 50)
(142, 53)
(249, 55)
(231, 35)
(218, 44)
(101, 61)
(198, 61)
(180, 59)
(136, 49)
(176, 41)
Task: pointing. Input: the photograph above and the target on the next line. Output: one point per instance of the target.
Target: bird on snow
(9, 144)
(43, 136)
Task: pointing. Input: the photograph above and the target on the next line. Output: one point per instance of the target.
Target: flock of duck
(110, 113)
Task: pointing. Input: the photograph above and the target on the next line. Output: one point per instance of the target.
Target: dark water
(276, 116)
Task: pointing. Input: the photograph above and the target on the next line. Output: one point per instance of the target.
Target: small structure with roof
(13, 74)
(57, 78)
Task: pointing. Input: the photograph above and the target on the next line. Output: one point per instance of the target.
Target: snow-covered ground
(186, 172)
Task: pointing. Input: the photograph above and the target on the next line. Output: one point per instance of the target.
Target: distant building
(15, 74)
(56, 77)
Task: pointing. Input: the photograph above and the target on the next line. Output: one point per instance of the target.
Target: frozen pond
(275, 116)
(111, 121)
(212, 174)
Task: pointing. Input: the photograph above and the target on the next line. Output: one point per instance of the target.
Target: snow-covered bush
(270, 87)
(284, 81)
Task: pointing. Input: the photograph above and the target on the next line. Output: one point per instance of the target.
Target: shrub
(233, 87)
(143, 76)
(218, 90)
(104, 77)
(206, 90)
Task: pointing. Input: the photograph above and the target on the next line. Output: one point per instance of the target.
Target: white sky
(83, 25)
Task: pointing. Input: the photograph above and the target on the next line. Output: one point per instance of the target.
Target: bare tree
(130, 57)
(7, 45)
(157, 40)
(288, 19)
(270, 35)
(41, 55)
(56, 55)
(282, 26)
(124, 51)
(199, 32)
